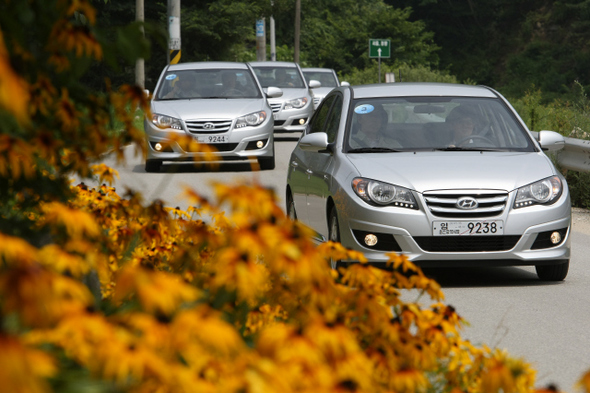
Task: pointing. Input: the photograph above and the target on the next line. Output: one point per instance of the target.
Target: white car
(328, 80)
(293, 109)
(216, 103)
(446, 174)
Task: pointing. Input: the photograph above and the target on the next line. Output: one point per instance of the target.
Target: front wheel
(333, 233)
(291, 213)
(153, 165)
(555, 272)
(267, 163)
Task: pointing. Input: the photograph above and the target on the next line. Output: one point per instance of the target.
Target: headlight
(296, 103)
(543, 192)
(379, 193)
(162, 121)
(253, 119)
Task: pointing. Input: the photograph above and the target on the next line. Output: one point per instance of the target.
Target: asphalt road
(547, 324)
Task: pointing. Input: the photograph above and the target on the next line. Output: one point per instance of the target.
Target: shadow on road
(485, 277)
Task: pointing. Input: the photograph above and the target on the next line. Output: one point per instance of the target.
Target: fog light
(555, 237)
(158, 146)
(259, 144)
(301, 121)
(370, 240)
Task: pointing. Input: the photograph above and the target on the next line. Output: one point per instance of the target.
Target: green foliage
(403, 73)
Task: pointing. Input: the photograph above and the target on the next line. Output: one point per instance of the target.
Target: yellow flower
(24, 369)
(584, 382)
(14, 94)
(15, 250)
(105, 173)
(77, 222)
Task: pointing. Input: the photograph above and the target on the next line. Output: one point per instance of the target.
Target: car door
(320, 165)
(300, 171)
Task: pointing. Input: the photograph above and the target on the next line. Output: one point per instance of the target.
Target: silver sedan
(446, 174)
(220, 104)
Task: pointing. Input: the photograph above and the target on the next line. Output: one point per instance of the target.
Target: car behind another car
(293, 109)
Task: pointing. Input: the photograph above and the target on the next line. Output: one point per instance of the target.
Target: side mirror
(344, 84)
(314, 142)
(551, 140)
(273, 92)
(314, 84)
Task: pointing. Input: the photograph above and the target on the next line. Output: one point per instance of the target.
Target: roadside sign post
(379, 48)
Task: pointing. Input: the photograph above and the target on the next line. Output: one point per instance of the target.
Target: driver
(462, 122)
(231, 87)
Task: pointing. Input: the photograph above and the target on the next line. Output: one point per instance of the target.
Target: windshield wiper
(460, 148)
(374, 150)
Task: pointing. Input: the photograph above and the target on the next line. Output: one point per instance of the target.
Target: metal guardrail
(574, 156)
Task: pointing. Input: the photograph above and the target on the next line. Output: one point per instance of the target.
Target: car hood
(207, 108)
(289, 94)
(424, 171)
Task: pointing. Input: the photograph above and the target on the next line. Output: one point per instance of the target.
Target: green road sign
(379, 48)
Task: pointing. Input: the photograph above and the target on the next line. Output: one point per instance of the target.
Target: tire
(556, 272)
(267, 163)
(333, 233)
(291, 213)
(153, 165)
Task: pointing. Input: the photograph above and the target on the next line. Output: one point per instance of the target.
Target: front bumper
(239, 144)
(525, 240)
(292, 120)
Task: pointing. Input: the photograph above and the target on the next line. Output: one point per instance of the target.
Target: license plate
(468, 228)
(213, 139)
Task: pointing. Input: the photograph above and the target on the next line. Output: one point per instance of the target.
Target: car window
(283, 77)
(435, 123)
(327, 79)
(209, 83)
(321, 114)
(334, 118)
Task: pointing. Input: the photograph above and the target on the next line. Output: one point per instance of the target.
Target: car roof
(272, 64)
(426, 89)
(202, 65)
(311, 69)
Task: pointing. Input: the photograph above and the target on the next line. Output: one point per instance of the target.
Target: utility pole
(174, 31)
(273, 45)
(140, 63)
(297, 29)
(260, 40)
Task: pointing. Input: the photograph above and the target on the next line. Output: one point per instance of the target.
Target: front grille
(275, 107)
(204, 126)
(444, 203)
(466, 243)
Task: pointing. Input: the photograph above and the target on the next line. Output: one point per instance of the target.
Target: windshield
(435, 123)
(283, 77)
(327, 79)
(211, 83)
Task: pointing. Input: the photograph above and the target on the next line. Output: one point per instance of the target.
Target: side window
(319, 117)
(334, 119)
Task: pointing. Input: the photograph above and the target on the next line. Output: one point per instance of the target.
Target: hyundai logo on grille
(208, 126)
(467, 203)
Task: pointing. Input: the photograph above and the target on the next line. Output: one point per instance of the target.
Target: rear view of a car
(293, 109)
(219, 104)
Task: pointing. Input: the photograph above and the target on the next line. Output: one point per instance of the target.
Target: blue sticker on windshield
(364, 109)
(170, 77)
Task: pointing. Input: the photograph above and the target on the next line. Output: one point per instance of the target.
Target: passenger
(184, 87)
(371, 122)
